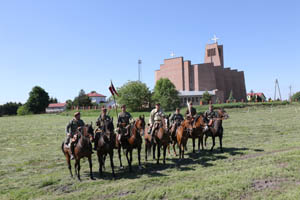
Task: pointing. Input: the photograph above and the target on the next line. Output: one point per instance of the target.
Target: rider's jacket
(73, 125)
(124, 118)
(156, 115)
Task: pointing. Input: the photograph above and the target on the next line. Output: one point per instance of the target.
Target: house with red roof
(56, 107)
(96, 97)
(257, 96)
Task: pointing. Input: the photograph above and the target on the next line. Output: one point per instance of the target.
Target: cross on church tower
(172, 54)
(215, 38)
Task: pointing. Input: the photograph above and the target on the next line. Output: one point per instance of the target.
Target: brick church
(192, 80)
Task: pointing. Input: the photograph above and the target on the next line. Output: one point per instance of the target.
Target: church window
(211, 52)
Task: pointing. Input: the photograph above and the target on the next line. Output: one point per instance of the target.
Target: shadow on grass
(151, 169)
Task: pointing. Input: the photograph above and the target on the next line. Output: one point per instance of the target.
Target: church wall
(206, 77)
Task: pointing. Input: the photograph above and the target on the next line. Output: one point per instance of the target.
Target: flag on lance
(112, 89)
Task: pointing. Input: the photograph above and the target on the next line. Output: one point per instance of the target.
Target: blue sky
(65, 46)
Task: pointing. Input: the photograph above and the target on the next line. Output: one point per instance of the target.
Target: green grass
(261, 160)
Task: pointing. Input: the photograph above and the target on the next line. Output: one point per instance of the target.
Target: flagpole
(111, 84)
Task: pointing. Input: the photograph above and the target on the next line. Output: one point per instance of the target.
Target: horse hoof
(92, 178)
(121, 167)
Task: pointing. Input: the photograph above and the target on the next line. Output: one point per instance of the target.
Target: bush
(206, 98)
(296, 97)
(23, 110)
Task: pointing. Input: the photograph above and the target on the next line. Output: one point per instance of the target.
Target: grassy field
(261, 160)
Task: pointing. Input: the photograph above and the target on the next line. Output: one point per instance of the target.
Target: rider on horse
(176, 119)
(101, 125)
(71, 130)
(209, 115)
(191, 111)
(123, 124)
(156, 116)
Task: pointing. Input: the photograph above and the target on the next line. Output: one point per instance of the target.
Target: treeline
(9, 108)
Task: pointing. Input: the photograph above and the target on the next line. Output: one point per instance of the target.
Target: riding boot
(96, 141)
(72, 150)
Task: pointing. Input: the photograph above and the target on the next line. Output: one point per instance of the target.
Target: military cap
(104, 108)
(77, 113)
(123, 106)
(157, 104)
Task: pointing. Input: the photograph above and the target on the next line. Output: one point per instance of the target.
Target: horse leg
(194, 145)
(206, 136)
(139, 156)
(214, 142)
(174, 144)
(69, 164)
(129, 164)
(179, 147)
(120, 159)
(183, 147)
(78, 167)
(111, 156)
(154, 148)
(146, 151)
(158, 153)
(91, 167)
(100, 162)
(220, 139)
(201, 142)
(165, 152)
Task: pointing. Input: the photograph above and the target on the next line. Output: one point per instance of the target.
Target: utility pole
(290, 87)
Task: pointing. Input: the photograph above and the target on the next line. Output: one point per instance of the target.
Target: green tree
(38, 100)
(9, 108)
(206, 97)
(296, 97)
(23, 110)
(82, 99)
(53, 100)
(69, 103)
(135, 94)
(166, 94)
(231, 98)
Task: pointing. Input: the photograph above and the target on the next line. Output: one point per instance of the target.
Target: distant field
(261, 160)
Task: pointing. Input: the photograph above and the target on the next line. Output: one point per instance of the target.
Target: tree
(38, 100)
(69, 103)
(9, 108)
(135, 94)
(296, 97)
(231, 98)
(23, 110)
(166, 94)
(53, 100)
(82, 99)
(206, 97)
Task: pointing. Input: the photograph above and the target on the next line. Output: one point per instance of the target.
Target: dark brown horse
(82, 149)
(173, 131)
(183, 132)
(217, 129)
(106, 144)
(134, 140)
(197, 133)
(161, 138)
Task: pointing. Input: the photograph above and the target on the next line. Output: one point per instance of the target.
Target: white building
(96, 98)
(56, 107)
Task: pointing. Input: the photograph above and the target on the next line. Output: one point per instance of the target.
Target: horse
(173, 131)
(82, 149)
(161, 138)
(217, 129)
(198, 126)
(134, 140)
(106, 143)
(183, 132)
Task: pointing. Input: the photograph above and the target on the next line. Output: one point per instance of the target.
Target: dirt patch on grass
(272, 184)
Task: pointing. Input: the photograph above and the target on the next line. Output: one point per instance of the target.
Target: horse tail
(62, 147)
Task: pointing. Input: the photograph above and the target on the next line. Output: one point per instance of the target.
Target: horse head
(187, 125)
(88, 131)
(222, 114)
(140, 124)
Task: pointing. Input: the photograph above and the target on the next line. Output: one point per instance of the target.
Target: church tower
(214, 54)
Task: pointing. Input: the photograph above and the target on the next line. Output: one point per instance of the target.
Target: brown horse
(173, 131)
(161, 138)
(106, 143)
(82, 149)
(217, 129)
(198, 126)
(134, 141)
(183, 132)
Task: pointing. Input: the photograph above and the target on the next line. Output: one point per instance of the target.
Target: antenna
(277, 87)
(139, 69)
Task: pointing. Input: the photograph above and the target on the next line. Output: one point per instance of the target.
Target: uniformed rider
(156, 117)
(71, 130)
(123, 125)
(190, 111)
(209, 115)
(101, 124)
